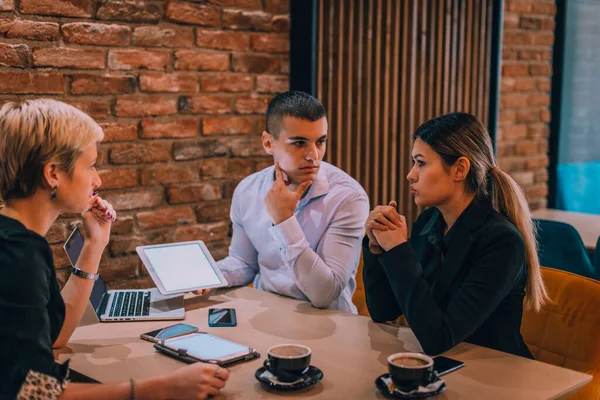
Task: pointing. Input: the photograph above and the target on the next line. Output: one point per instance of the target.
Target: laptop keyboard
(130, 304)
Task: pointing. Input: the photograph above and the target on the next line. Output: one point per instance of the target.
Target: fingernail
(95, 193)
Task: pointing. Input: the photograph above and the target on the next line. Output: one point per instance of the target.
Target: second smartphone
(168, 332)
(222, 317)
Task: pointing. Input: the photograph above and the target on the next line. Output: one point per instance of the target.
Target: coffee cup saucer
(387, 387)
(312, 376)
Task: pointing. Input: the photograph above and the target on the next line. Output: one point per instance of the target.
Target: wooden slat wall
(386, 66)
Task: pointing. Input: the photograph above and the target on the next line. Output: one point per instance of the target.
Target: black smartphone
(221, 317)
(168, 332)
(444, 365)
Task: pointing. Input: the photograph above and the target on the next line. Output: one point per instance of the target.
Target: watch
(85, 275)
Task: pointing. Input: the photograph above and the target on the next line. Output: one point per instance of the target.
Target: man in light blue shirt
(298, 225)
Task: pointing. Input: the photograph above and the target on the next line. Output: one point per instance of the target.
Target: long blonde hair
(462, 135)
(35, 132)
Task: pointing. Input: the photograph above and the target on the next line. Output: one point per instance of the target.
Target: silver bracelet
(85, 275)
(133, 391)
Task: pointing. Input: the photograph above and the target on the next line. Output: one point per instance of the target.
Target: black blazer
(477, 294)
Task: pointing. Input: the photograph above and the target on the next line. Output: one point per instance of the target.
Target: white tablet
(181, 267)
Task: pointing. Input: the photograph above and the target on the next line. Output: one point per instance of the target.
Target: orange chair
(359, 299)
(567, 331)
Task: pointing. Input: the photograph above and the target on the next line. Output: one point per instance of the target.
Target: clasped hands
(385, 228)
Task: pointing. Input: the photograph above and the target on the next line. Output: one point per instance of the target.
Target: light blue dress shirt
(312, 255)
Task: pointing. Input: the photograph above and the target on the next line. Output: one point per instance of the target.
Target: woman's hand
(385, 228)
(196, 381)
(97, 221)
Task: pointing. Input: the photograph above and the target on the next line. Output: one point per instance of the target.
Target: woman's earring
(53, 194)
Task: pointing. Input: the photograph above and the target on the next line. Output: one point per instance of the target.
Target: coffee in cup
(288, 362)
(410, 369)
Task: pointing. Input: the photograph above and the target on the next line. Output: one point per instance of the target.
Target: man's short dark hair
(295, 104)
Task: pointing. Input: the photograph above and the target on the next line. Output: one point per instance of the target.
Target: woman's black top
(32, 313)
(467, 285)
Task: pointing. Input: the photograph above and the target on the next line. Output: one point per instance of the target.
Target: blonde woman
(471, 259)
(49, 151)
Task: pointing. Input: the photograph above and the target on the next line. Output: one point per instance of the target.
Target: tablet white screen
(182, 266)
(207, 347)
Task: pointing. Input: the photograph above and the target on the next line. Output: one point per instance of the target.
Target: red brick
(523, 178)
(537, 190)
(116, 132)
(277, 6)
(509, 164)
(29, 82)
(509, 53)
(237, 3)
(540, 69)
(518, 6)
(118, 178)
(541, 175)
(545, 115)
(230, 168)
(548, 24)
(205, 104)
(270, 42)
(543, 38)
(193, 13)
(513, 101)
(122, 245)
(224, 40)
(515, 132)
(205, 232)
(138, 59)
(504, 149)
(526, 147)
(62, 8)
(146, 198)
(506, 117)
(510, 20)
(251, 105)
(112, 269)
(229, 188)
(68, 58)
(515, 70)
(199, 150)
(167, 173)
(137, 153)
(538, 131)
(145, 106)
(539, 100)
(7, 5)
(57, 233)
(170, 82)
(226, 83)
(528, 115)
(280, 23)
(530, 22)
(99, 84)
(193, 192)
(211, 211)
(96, 34)
(518, 38)
(524, 85)
(165, 217)
(544, 8)
(285, 66)
(33, 30)
(544, 85)
(123, 224)
(60, 256)
(246, 146)
(543, 147)
(227, 125)
(200, 60)
(129, 10)
(535, 54)
(163, 36)
(533, 162)
(95, 108)
(15, 55)
(180, 128)
(255, 63)
(246, 20)
(272, 84)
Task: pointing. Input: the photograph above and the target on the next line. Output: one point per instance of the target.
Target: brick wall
(180, 88)
(525, 84)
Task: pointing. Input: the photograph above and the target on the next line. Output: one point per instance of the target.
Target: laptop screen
(73, 247)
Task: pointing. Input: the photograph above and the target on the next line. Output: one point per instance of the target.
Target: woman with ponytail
(470, 264)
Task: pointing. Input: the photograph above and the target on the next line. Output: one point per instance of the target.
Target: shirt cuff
(288, 232)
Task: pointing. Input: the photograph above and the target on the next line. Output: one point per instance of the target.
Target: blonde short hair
(35, 132)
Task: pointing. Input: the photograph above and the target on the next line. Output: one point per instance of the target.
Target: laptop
(125, 305)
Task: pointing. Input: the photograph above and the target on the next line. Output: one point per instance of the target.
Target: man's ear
(267, 142)
(50, 175)
(461, 169)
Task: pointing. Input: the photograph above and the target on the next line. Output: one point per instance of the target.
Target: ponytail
(509, 200)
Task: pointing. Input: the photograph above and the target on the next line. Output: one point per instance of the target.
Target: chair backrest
(561, 247)
(359, 298)
(566, 331)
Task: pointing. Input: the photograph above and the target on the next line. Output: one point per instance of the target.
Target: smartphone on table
(221, 317)
(168, 332)
(443, 365)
